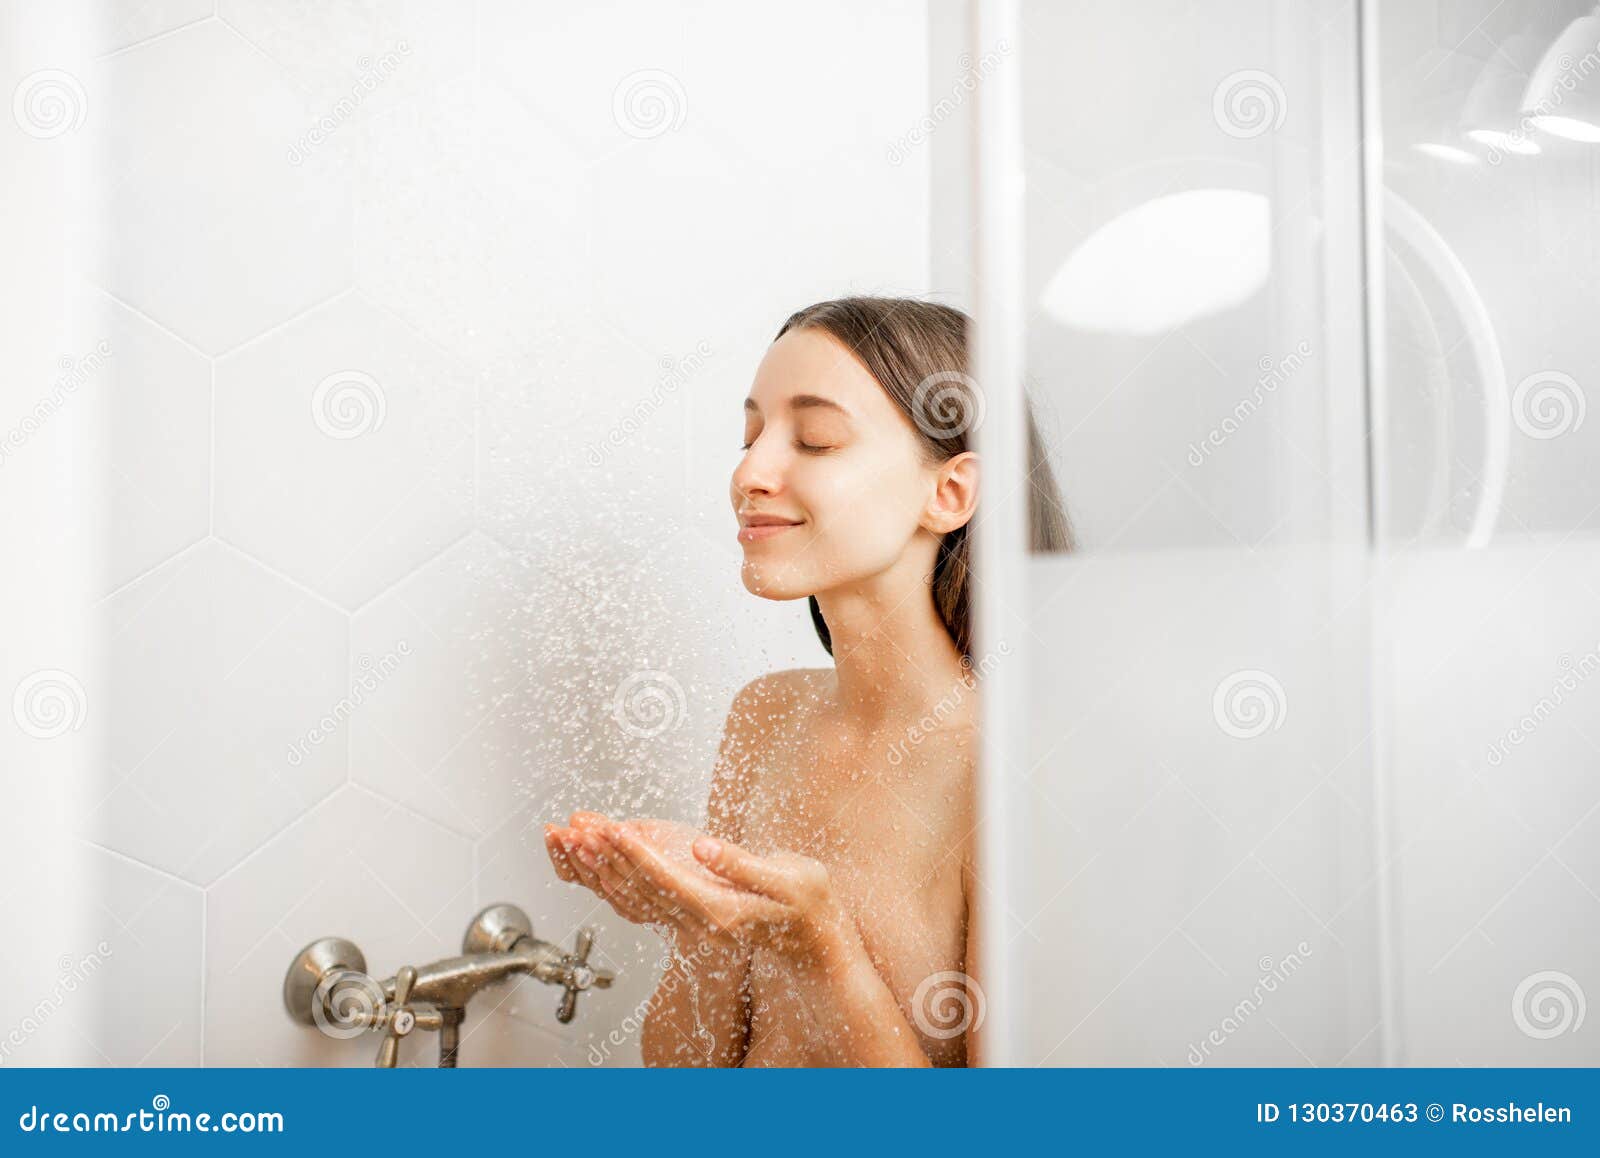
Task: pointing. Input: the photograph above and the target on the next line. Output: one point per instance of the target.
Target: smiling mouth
(763, 531)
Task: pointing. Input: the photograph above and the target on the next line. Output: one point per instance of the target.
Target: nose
(758, 472)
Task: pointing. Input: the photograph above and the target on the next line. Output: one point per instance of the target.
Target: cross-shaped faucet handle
(577, 975)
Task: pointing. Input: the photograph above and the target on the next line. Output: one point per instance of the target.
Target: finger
(582, 864)
(615, 876)
(665, 907)
(564, 843)
(668, 880)
(584, 819)
(743, 868)
(631, 897)
(558, 855)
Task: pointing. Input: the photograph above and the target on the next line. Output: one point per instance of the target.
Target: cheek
(862, 518)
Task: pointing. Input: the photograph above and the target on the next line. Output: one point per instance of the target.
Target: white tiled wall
(345, 452)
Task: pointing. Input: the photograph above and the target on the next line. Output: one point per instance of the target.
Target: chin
(763, 580)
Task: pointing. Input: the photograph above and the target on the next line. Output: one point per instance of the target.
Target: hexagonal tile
(472, 220)
(583, 448)
(153, 440)
(212, 230)
(354, 59)
(216, 672)
(578, 90)
(676, 228)
(138, 1000)
(127, 25)
(659, 72)
(356, 866)
(511, 691)
(344, 449)
(426, 735)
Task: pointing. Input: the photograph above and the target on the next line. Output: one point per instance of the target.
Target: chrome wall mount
(328, 985)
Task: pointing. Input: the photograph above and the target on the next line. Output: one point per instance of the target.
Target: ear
(955, 494)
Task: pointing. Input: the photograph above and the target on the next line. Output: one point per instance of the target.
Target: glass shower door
(1193, 821)
(1297, 764)
(1490, 505)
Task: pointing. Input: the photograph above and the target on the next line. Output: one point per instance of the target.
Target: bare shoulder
(773, 698)
(761, 710)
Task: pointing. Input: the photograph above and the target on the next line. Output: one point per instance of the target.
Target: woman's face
(832, 487)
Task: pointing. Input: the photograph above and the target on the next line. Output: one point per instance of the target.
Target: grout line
(349, 670)
(267, 841)
(411, 573)
(116, 52)
(211, 460)
(257, 339)
(140, 314)
(399, 806)
(205, 965)
(133, 860)
(289, 579)
(143, 575)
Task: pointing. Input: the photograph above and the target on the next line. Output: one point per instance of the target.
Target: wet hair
(918, 352)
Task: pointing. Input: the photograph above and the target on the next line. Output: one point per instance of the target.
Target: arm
(698, 1015)
(784, 903)
(860, 1021)
(972, 962)
(859, 1012)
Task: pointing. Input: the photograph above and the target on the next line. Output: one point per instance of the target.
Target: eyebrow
(803, 402)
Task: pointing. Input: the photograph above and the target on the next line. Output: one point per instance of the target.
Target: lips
(758, 528)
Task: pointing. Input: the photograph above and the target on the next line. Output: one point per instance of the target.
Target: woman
(824, 916)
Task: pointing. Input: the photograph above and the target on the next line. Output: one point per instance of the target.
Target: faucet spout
(328, 983)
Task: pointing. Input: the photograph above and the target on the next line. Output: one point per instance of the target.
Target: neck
(891, 650)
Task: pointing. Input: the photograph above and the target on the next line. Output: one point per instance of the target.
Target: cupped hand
(659, 872)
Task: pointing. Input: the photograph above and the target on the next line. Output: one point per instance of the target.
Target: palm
(649, 872)
(675, 841)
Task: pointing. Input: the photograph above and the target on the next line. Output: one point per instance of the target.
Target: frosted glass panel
(1197, 804)
(1309, 768)
(1492, 508)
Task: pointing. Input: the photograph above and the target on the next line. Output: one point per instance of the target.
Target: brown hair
(917, 351)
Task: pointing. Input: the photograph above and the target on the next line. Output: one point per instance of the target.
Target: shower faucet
(328, 985)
